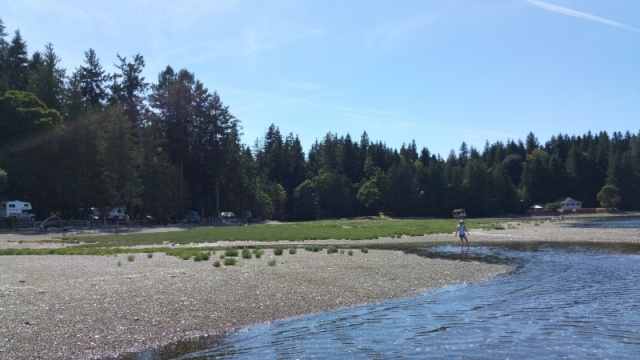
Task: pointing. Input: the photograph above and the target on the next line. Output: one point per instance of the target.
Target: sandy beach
(83, 307)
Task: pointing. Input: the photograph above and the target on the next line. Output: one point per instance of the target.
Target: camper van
(17, 210)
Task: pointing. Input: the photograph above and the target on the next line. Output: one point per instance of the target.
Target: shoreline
(80, 307)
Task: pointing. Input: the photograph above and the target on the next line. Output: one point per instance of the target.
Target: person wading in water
(461, 231)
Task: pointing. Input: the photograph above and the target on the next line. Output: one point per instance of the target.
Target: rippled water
(572, 301)
(628, 223)
(561, 301)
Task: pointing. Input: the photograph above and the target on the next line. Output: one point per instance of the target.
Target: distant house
(569, 204)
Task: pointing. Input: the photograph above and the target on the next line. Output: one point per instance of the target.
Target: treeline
(93, 139)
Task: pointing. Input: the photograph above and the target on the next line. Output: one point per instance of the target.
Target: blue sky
(439, 72)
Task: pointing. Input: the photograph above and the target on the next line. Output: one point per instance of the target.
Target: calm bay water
(561, 301)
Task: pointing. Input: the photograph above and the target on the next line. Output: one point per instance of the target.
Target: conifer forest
(75, 139)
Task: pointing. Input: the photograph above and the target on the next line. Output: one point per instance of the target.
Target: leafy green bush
(364, 249)
(230, 261)
(332, 250)
(293, 250)
(272, 262)
(131, 258)
(278, 251)
(202, 256)
(313, 248)
(246, 254)
(231, 252)
(216, 264)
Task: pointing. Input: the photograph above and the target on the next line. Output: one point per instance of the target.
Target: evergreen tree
(351, 162)
(4, 47)
(92, 80)
(402, 193)
(129, 88)
(477, 200)
(119, 160)
(532, 143)
(47, 78)
(535, 184)
(162, 182)
(17, 63)
(463, 155)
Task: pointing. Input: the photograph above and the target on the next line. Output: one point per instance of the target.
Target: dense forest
(70, 141)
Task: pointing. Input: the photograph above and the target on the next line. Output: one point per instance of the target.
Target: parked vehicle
(16, 210)
(192, 216)
(94, 213)
(118, 213)
(459, 214)
(228, 217)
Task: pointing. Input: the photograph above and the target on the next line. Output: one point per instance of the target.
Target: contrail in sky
(579, 14)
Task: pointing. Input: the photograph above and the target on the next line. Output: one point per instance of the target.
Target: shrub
(350, 252)
(149, 255)
(229, 261)
(216, 264)
(292, 250)
(364, 249)
(278, 251)
(131, 257)
(272, 262)
(332, 250)
(231, 252)
(246, 254)
(257, 252)
(119, 263)
(201, 256)
(313, 248)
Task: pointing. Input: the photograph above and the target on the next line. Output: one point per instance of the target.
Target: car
(24, 216)
(191, 216)
(228, 217)
(118, 214)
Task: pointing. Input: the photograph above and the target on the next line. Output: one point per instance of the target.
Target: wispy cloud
(385, 36)
(579, 14)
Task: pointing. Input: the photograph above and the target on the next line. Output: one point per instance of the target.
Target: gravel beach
(84, 307)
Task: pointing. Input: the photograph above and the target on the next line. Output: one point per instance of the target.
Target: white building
(569, 204)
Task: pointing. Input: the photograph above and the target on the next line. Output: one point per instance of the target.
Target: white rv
(17, 210)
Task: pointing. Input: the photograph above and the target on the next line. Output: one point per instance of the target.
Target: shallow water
(625, 223)
(560, 301)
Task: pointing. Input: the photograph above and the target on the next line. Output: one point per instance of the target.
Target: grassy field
(300, 231)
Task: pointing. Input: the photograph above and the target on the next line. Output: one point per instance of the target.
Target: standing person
(461, 230)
